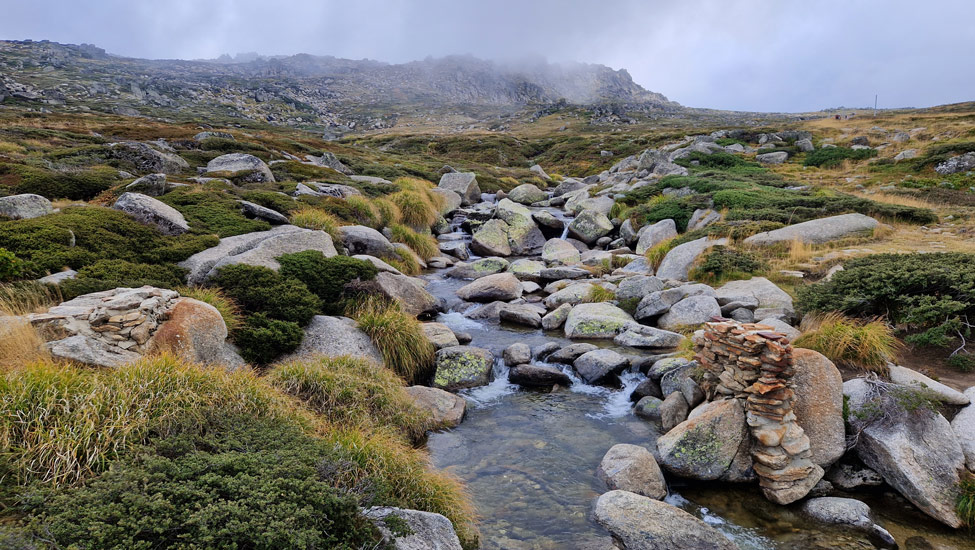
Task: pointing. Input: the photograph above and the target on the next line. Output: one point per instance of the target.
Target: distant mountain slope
(304, 90)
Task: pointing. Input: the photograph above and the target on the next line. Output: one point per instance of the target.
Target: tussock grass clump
(309, 217)
(363, 211)
(966, 502)
(656, 254)
(865, 344)
(423, 244)
(389, 212)
(20, 342)
(406, 263)
(416, 208)
(216, 297)
(600, 294)
(398, 336)
(350, 391)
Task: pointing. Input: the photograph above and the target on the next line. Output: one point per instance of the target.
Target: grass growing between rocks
(398, 336)
(868, 345)
(309, 217)
(265, 463)
(423, 244)
(966, 502)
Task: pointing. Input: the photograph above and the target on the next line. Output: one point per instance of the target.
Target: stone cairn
(752, 362)
(119, 322)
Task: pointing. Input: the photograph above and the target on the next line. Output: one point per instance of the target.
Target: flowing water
(529, 459)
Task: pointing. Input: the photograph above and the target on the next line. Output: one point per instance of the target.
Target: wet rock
(491, 239)
(446, 409)
(457, 249)
(677, 263)
(600, 365)
(556, 318)
(524, 237)
(649, 407)
(913, 379)
(547, 220)
(652, 235)
(464, 184)
(424, 530)
(333, 337)
(439, 335)
(589, 226)
(517, 354)
(527, 194)
(673, 411)
(25, 206)
(632, 468)
(642, 523)
(538, 376)
(545, 350)
(850, 477)
(249, 168)
(817, 231)
(847, 512)
(568, 354)
(478, 268)
(460, 367)
(500, 286)
(819, 405)
(690, 311)
(526, 269)
(601, 320)
(705, 447)
(647, 388)
(521, 314)
(149, 211)
(488, 312)
(557, 251)
(359, 239)
(635, 335)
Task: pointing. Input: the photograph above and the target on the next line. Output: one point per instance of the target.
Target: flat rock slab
(818, 231)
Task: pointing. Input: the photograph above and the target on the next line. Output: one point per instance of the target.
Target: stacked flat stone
(122, 318)
(752, 362)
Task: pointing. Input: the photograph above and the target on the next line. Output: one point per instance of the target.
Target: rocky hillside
(304, 90)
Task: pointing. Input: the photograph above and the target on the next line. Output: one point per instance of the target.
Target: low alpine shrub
(326, 277)
(262, 340)
(260, 290)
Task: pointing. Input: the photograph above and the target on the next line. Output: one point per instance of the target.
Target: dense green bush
(80, 236)
(723, 263)
(326, 277)
(226, 145)
(269, 199)
(254, 484)
(292, 170)
(716, 160)
(261, 290)
(74, 185)
(262, 340)
(679, 209)
(11, 267)
(209, 211)
(829, 157)
(109, 274)
(931, 294)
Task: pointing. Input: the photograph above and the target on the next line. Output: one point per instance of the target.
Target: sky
(754, 55)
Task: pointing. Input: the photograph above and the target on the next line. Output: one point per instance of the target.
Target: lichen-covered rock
(556, 318)
(478, 268)
(248, 168)
(635, 335)
(589, 226)
(464, 184)
(460, 367)
(152, 185)
(600, 320)
(452, 201)
(491, 239)
(407, 291)
(705, 446)
(25, 206)
(557, 251)
(526, 269)
(527, 193)
(642, 523)
(500, 286)
(413, 529)
(634, 288)
(146, 159)
(524, 237)
(446, 409)
(149, 211)
(528, 315)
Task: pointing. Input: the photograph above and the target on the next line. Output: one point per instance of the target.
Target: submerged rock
(642, 523)
(538, 376)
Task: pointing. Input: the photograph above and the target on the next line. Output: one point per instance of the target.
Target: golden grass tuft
(423, 244)
(397, 334)
(20, 342)
(364, 211)
(656, 254)
(228, 309)
(389, 213)
(416, 208)
(600, 294)
(864, 344)
(309, 217)
(406, 263)
(800, 251)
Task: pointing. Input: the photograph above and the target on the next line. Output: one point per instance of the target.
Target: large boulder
(600, 320)
(954, 165)
(635, 335)
(847, 512)
(526, 269)
(527, 193)
(404, 529)
(652, 235)
(478, 268)
(149, 211)
(500, 286)
(409, 292)
(153, 185)
(147, 160)
(246, 167)
(600, 365)
(690, 311)
(194, 331)
(524, 237)
(963, 424)
(359, 239)
(642, 523)
(439, 335)
(657, 303)
(636, 287)
(574, 293)
(819, 405)
(252, 210)
(200, 266)
(333, 337)
(557, 251)
(556, 318)
(778, 157)
(677, 263)
(88, 351)
(769, 295)
(464, 184)
(538, 376)
(916, 452)
(528, 315)
(460, 367)
(706, 446)
(491, 239)
(818, 231)
(632, 468)
(24, 207)
(446, 409)
(452, 200)
(589, 226)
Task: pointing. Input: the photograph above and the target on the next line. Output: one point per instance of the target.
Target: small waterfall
(746, 538)
(565, 231)
(498, 388)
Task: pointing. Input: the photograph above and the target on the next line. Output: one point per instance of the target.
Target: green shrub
(10, 266)
(75, 185)
(226, 145)
(931, 294)
(79, 236)
(722, 263)
(966, 501)
(716, 160)
(292, 170)
(109, 274)
(262, 340)
(829, 157)
(270, 199)
(326, 277)
(209, 211)
(251, 484)
(260, 290)
(678, 209)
